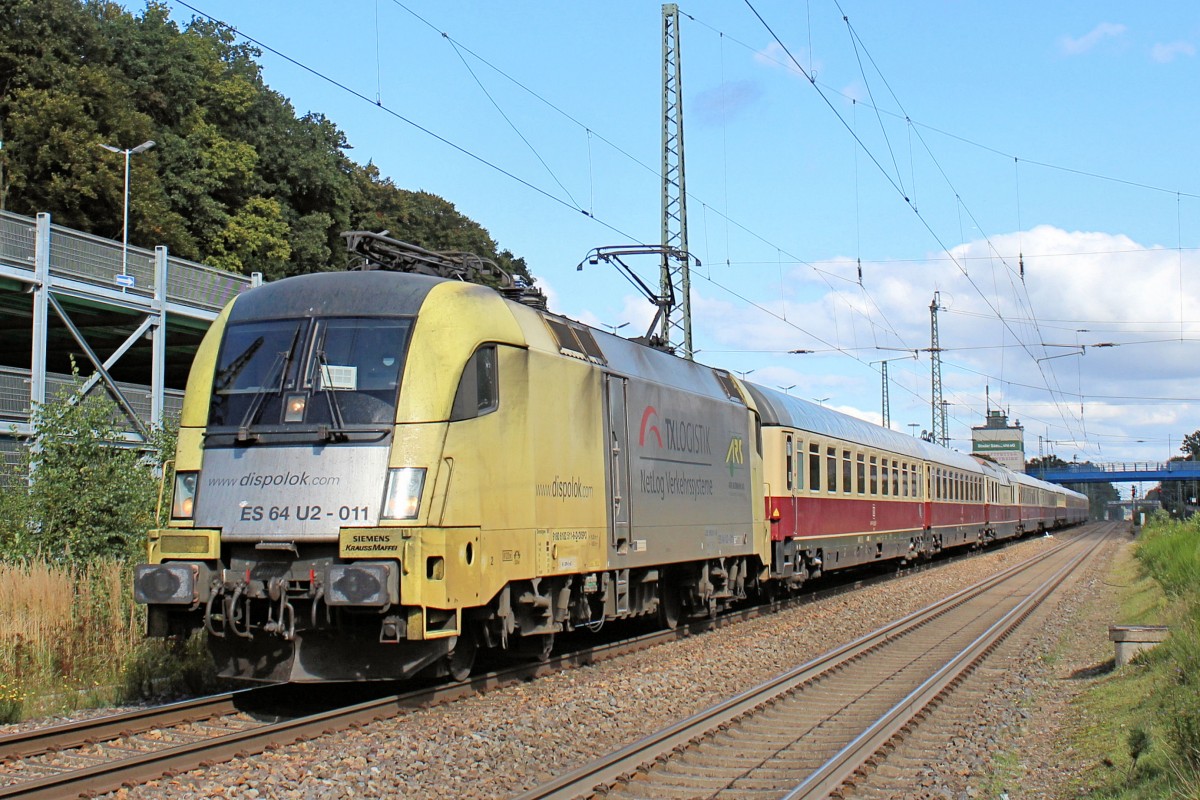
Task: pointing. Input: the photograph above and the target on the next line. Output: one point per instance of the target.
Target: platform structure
(131, 332)
(1122, 472)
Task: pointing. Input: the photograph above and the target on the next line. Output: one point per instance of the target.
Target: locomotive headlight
(184, 502)
(360, 584)
(165, 583)
(402, 500)
(294, 408)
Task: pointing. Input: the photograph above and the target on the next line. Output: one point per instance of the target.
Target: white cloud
(774, 55)
(1166, 52)
(1105, 30)
(1080, 286)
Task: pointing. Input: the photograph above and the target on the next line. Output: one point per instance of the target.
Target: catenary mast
(676, 325)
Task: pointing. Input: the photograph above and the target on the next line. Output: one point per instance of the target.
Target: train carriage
(842, 492)
(1002, 512)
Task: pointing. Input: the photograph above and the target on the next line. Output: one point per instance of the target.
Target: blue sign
(126, 281)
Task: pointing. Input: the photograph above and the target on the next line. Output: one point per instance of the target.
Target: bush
(81, 492)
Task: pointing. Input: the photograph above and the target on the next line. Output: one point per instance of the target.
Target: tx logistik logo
(647, 427)
(734, 456)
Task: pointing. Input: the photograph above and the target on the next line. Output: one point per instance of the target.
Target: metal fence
(16, 407)
(95, 260)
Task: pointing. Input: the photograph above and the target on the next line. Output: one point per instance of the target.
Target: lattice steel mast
(676, 324)
(887, 406)
(935, 360)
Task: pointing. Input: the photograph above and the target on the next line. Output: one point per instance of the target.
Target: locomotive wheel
(461, 659)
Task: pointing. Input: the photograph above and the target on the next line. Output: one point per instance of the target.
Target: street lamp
(788, 389)
(614, 328)
(820, 401)
(141, 148)
(914, 426)
(744, 374)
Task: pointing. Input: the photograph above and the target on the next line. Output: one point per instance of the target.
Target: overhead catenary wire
(590, 211)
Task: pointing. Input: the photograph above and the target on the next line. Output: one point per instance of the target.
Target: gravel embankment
(496, 745)
(1005, 732)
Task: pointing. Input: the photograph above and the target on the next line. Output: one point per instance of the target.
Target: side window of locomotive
(478, 388)
(814, 467)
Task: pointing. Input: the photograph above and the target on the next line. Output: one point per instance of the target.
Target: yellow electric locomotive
(379, 473)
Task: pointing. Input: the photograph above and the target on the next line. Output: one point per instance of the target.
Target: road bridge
(131, 331)
(1121, 472)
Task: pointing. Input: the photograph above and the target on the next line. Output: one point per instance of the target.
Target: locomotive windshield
(330, 375)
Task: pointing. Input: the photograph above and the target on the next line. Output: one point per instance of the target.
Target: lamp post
(788, 389)
(129, 151)
(820, 400)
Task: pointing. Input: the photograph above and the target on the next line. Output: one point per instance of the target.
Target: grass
(1139, 726)
(73, 639)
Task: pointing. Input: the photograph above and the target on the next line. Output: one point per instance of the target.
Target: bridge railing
(1130, 466)
(97, 261)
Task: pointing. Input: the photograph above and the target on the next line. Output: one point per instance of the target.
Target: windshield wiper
(338, 428)
(282, 361)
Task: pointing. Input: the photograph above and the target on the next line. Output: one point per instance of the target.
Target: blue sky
(943, 144)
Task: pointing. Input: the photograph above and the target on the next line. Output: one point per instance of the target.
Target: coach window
(895, 479)
(478, 388)
(787, 460)
(874, 476)
(883, 474)
(831, 469)
(814, 467)
(904, 479)
(847, 473)
(862, 474)
(798, 466)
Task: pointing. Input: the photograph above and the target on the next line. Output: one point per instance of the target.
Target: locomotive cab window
(478, 388)
(303, 374)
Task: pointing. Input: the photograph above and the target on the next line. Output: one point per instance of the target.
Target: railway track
(810, 731)
(106, 753)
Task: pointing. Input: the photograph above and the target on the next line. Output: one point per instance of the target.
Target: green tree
(238, 179)
(76, 495)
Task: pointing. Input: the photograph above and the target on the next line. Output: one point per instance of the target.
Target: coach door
(618, 461)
